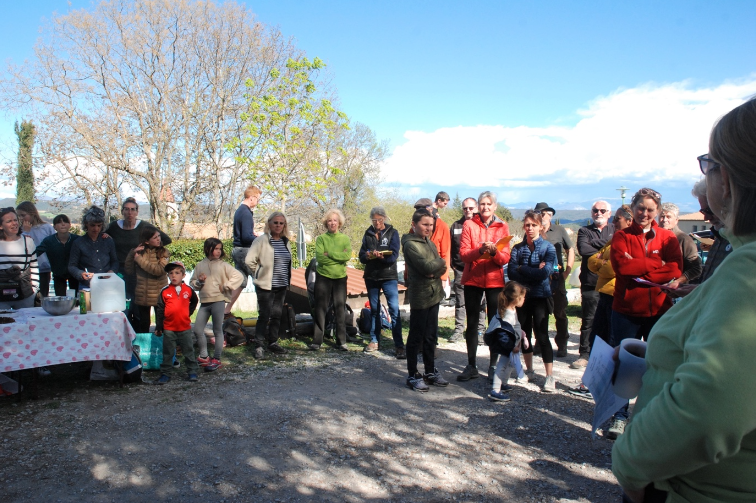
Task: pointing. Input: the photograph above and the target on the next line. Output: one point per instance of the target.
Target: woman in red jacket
(646, 251)
(483, 274)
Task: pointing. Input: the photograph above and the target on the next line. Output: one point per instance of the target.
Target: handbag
(15, 283)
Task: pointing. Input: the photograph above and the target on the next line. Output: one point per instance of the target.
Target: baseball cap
(172, 265)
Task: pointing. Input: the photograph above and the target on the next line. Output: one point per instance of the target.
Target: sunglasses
(706, 164)
(470, 208)
(599, 210)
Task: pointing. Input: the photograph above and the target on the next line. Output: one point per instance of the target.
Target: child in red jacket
(176, 303)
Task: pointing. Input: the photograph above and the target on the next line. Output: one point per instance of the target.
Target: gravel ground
(327, 427)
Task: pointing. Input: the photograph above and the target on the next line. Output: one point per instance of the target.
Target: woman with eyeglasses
(19, 272)
(269, 261)
(647, 251)
(531, 265)
(379, 252)
(693, 431)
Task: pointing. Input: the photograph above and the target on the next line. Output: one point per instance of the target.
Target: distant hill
(580, 217)
(48, 209)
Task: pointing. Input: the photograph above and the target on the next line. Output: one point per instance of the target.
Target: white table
(40, 340)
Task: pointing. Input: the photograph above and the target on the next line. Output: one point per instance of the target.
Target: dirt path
(340, 427)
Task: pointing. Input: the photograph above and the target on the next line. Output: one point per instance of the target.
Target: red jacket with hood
(647, 250)
(482, 272)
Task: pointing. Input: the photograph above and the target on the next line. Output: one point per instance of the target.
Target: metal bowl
(58, 305)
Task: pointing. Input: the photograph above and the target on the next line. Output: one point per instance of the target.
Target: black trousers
(44, 283)
(143, 322)
(559, 294)
(473, 297)
(269, 306)
(61, 286)
(589, 303)
(534, 318)
(325, 289)
(423, 337)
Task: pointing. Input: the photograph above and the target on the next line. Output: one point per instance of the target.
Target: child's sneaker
(497, 396)
(192, 378)
(176, 363)
(163, 379)
(435, 379)
(203, 362)
(213, 365)
(417, 383)
(506, 387)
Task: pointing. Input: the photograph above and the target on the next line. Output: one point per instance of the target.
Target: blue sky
(555, 101)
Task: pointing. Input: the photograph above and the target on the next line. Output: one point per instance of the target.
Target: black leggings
(473, 297)
(326, 289)
(534, 317)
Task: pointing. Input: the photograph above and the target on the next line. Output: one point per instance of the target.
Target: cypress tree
(24, 174)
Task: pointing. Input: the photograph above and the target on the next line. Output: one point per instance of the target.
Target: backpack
(502, 339)
(365, 320)
(233, 334)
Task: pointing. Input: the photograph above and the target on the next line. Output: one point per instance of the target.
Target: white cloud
(648, 133)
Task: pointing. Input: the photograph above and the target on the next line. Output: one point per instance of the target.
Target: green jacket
(693, 429)
(329, 251)
(424, 270)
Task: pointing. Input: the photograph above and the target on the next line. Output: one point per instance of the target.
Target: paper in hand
(598, 378)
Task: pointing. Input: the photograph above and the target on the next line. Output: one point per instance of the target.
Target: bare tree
(146, 96)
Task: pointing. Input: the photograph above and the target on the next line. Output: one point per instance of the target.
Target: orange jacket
(481, 272)
(442, 239)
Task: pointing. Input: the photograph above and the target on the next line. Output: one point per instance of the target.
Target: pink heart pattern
(67, 339)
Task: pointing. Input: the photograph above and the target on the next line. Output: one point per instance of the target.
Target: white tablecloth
(38, 339)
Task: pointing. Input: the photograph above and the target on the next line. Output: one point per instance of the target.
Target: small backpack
(233, 334)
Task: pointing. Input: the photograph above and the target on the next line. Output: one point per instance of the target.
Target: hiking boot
(581, 391)
(561, 352)
(314, 347)
(275, 348)
(580, 363)
(616, 429)
(435, 379)
(259, 353)
(192, 378)
(470, 372)
(213, 365)
(550, 385)
(401, 354)
(417, 383)
(342, 347)
(163, 379)
(373, 346)
(496, 396)
(456, 336)
(352, 339)
(203, 362)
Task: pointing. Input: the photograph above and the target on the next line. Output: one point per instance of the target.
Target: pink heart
(72, 336)
(59, 348)
(27, 346)
(48, 362)
(47, 339)
(57, 325)
(20, 342)
(6, 355)
(105, 320)
(107, 344)
(102, 337)
(6, 329)
(86, 358)
(82, 323)
(94, 333)
(84, 345)
(34, 352)
(78, 340)
(32, 327)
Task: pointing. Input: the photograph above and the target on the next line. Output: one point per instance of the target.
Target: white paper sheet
(598, 378)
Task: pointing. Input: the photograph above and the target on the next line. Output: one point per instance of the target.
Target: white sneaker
(522, 380)
(550, 385)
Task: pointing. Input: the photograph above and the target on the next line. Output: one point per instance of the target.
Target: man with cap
(441, 236)
(557, 236)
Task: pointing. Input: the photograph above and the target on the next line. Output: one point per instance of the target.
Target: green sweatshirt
(693, 429)
(333, 251)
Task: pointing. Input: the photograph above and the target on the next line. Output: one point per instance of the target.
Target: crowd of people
(693, 428)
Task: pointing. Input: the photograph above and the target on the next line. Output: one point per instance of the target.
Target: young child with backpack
(176, 303)
(510, 298)
(215, 280)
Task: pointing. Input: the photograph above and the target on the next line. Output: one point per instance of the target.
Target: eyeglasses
(470, 208)
(126, 208)
(599, 210)
(706, 164)
(706, 212)
(377, 220)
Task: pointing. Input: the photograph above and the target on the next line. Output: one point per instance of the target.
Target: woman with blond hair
(332, 251)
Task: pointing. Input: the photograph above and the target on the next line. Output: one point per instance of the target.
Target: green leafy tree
(453, 211)
(287, 129)
(24, 174)
(504, 213)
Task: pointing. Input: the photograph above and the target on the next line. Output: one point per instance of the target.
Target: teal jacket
(424, 270)
(693, 429)
(333, 251)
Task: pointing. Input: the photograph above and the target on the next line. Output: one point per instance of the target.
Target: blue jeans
(630, 327)
(390, 289)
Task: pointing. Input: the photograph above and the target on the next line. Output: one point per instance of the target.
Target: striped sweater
(14, 253)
